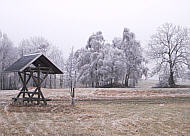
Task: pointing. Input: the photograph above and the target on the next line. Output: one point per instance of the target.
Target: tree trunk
(126, 80)
(171, 79)
(61, 81)
(10, 83)
(55, 81)
(1, 83)
(97, 84)
(72, 96)
(15, 81)
(92, 84)
(111, 82)
(50, 83)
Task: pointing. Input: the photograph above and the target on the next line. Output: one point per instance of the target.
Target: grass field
(117, 112)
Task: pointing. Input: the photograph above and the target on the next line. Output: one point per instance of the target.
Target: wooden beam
(39, 85)
(38, 80)
(24, 84)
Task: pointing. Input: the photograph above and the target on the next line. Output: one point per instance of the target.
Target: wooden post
(24, 86)
(38, 84)
(73, 96)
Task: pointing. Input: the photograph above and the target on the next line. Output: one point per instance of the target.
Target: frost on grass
(126, 116)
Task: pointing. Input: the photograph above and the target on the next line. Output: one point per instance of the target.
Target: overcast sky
(70, 23)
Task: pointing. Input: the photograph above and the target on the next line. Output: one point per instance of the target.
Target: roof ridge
(33, 54)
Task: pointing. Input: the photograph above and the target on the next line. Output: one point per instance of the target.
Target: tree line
(119, 63)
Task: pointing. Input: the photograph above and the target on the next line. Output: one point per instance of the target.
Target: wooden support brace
(38, 82)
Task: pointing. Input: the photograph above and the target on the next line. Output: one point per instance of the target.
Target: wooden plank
(27, 92)
(24, 83)
(36, 68)
(33, 99)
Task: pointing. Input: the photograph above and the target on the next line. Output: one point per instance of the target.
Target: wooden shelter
(34, 67)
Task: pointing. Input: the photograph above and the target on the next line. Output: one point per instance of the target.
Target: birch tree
(133, 59)
(88, 60)
(111, 68)
(103, 63)
(71, 74)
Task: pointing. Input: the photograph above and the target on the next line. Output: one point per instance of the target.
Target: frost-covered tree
(83, 62)
(70, 75)
(56, 56)
(70, 70)
(111, 68)
(8, 54)
(34, 45)
(95, 42)
(133, 60)
(41, 45)
(88, 60)
(103, 63)
(169, 49)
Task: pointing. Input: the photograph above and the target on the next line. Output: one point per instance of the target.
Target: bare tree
(34, 45)
(8, 54)
(41, 45)
(56, 55)
(168, 47)
(71, 72)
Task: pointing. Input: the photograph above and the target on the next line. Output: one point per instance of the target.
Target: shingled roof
(35, 59)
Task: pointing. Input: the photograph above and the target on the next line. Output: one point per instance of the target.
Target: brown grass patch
(50, 108)
(103, 112)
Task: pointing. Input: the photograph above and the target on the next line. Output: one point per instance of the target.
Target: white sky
(67, 23)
